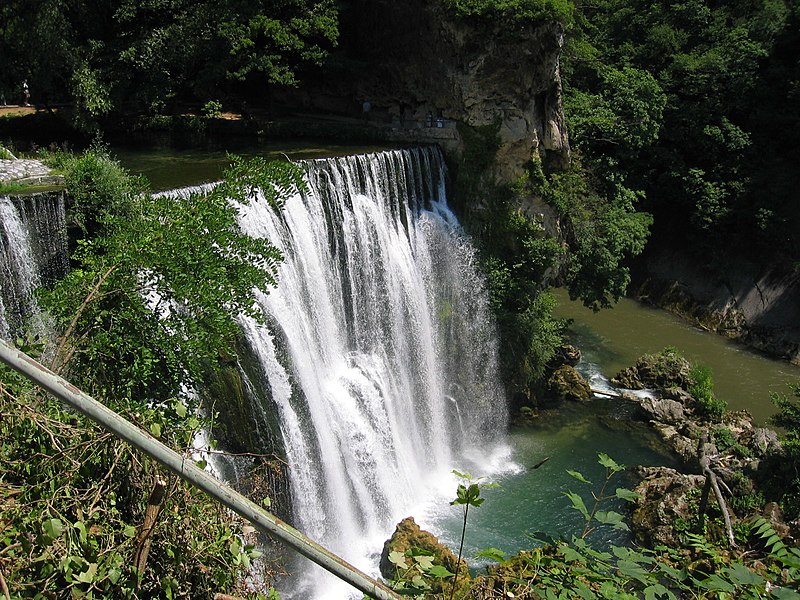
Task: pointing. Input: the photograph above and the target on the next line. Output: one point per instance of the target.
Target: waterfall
(33, 252)
(380, 351)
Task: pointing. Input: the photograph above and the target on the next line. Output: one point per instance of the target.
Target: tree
(129, 55)
(157, 284)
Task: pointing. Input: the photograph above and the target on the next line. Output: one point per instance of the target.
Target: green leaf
(425, 562)
(578, 476)
(129, 531)
(398, 559)
(578, 504)
(180, 409)
(89, 574)
(155, 429)
(716, 583)
(741, 575)
(627, 495)
(656, 591)
(439, 571)
(609, 463)
(53, 528)
(782, 593)
(81, 531)
(492, 554)
(612, 518)
(570, 554)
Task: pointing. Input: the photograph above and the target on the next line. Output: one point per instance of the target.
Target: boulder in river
(567, 384)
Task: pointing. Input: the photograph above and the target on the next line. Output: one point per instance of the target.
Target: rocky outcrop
(567, 384)
(664, 506)
(407, 536)
(759, 307)
(665, 370)
(415, 59)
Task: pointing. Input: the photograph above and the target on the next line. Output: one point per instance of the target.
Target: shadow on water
(168, 166)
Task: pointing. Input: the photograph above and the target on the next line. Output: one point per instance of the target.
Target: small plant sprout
(594, 515)
(468, 494)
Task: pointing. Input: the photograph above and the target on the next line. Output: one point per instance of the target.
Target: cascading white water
(381, 354)
(33, 251)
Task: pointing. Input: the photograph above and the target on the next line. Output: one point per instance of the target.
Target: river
(613, 339)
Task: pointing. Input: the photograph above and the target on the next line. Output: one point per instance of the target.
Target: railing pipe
(188, 471)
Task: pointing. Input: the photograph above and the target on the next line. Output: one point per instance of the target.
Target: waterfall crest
(33, 252)
(380, 354)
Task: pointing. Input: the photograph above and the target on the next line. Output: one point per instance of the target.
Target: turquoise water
(531, 502)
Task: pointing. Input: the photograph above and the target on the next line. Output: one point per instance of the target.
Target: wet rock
(761, 441)
(567, 384)
(567, 355)
(409, 535)
(664, 410)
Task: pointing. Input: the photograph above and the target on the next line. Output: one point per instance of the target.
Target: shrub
(702, 389)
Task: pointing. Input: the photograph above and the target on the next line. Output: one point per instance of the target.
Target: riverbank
(754, 305)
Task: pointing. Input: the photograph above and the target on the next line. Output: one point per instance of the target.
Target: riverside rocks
(732, 449)
(567, 384)
(408, 535)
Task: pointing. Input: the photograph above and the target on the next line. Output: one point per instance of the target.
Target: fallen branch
(609, 394)
(4, 587)
(713, 482)
(154, 504)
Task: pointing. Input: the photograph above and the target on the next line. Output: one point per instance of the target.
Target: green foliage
(73, 500)
(637, 79)
(515, 11)
(212, 108)
(518, 257)
(602, 228)
(767, 568)
(161, 281)
(148, 306)
(415, 572)
(702, 390)
(132, 55)
(788, 468)
(594, 517)
(468, 494)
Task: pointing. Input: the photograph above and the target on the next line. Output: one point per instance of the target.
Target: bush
(702, 389)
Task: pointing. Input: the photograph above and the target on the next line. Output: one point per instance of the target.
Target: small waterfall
(380, 354)
(33, 252)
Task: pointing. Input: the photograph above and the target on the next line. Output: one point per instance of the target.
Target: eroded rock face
(665, 500)
(411, 59)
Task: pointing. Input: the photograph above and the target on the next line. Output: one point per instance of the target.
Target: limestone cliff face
(415, 59)
(754, 305)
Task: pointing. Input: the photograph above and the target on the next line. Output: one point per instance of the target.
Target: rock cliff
(757, 306)
(415, 62)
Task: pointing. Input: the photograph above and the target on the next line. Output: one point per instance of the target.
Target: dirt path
(17, 111)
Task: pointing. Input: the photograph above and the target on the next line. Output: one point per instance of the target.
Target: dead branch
(144, 539)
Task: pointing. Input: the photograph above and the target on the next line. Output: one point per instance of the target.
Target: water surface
(614, 338)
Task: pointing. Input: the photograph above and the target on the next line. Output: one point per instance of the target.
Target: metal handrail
(188, 471)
